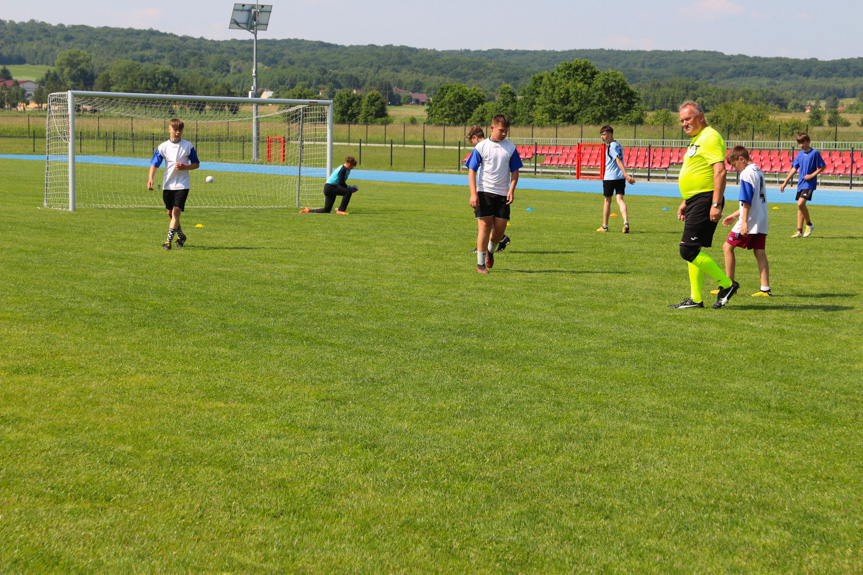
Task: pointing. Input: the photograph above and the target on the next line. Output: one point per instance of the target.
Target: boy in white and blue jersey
(615, 178)
(497, 162)
(809, 164)
(180, 158)
(750, 231)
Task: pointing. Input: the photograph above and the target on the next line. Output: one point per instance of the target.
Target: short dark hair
(351, 160)
(475, 132)
(606, 128)
(177, 124)
(803, 137)
(738, 152)
(500, 120)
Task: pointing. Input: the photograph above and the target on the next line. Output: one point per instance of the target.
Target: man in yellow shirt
(702, 185)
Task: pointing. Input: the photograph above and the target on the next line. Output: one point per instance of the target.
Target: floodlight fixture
(251, 18)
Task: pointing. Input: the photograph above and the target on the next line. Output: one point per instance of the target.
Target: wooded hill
(285, 63)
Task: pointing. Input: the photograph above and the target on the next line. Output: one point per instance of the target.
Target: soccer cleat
(687, 303)
(489, 260)
(341, 213)
(797, 235)
(626, 228)
(167, 245)
(725, 295)
(808, 231)
(481, 269)
(762, 293)
(181, 239)
(602, 229)
(504, 241)
(305, 210)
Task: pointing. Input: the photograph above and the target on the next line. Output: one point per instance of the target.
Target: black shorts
(611, 187)
(492, 206)
(175, 199)
(807, 194)
(698, 229)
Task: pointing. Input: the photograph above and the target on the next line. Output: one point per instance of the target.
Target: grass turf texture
(313, 393)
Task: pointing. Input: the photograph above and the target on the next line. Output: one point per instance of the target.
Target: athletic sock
(480, 258)
(492, 247)
(171, 232)
(706, 264)
(765, 288)
(696, 282)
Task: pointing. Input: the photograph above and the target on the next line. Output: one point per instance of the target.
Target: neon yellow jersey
(696, 175)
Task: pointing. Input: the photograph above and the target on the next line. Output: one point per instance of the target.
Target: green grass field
(322, 393)
(23, 72)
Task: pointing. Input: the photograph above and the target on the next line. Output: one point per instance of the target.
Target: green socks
(706, 264)
(696, 280)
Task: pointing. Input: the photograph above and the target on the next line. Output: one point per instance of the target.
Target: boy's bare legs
(498, 230)
(174, 214)
(621, 203)
(730, 259)
(606, 211)
(763, 267)
(485, 226)
(802, 213)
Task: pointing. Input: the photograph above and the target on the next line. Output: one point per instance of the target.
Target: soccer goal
(99, 146)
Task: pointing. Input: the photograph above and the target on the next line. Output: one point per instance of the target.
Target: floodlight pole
(254, 93)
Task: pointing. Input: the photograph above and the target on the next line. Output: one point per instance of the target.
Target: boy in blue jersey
(615, 178)
(809, 164)
(497, 163)
(335, 186)
(180, 158)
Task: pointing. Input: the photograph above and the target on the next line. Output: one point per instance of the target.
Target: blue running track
(845, 198)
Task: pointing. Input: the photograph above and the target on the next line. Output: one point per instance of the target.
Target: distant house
(266, 93)
(416, 99)
(28, 85)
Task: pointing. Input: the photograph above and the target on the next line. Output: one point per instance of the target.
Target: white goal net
(99, 146)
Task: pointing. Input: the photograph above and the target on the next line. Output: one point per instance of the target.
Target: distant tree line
(659, 76)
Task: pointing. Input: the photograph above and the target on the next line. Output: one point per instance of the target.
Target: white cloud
(146, 18)
(712, 10)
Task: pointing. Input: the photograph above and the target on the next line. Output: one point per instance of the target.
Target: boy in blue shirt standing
(809, 164)
(615, 178)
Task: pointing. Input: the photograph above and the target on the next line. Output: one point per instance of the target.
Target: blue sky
(825, 30)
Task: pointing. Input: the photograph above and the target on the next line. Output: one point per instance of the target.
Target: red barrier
(279, 139)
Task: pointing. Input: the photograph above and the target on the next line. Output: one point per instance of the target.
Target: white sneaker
(808, 231)
(797, 235)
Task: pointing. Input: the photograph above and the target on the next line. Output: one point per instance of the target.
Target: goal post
(99, 146)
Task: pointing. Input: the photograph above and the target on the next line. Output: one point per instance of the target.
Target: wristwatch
(716, 204)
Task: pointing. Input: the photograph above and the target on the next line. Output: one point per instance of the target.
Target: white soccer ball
(209, 179)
